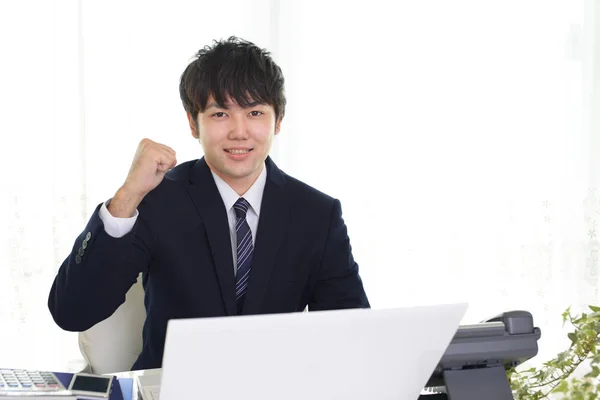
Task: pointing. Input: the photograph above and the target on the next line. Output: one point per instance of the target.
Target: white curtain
(42, 195)
(460, 137)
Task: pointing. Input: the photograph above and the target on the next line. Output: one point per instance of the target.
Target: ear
(193, 126)
(277, 126)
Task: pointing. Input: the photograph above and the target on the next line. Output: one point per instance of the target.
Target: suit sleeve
(338, 284)
(92, 281)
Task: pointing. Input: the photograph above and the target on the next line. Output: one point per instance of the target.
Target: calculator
(25, 383)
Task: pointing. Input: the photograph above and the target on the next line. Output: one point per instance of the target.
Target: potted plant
(554, 378)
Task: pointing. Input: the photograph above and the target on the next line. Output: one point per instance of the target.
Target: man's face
(236, 140)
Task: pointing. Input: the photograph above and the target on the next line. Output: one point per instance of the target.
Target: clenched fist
(150, 164)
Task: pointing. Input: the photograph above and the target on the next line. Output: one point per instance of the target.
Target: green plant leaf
(572, 336)
(566, 314)
(562, 387)
(593, 373)
(554, 375)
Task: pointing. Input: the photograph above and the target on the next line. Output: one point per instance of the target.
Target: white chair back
(114, 344)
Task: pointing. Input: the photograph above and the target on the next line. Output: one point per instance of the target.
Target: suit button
(84, 244)
(88, 236)
(80, 253)
(78, 259)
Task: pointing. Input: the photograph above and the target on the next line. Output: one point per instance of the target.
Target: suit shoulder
(308, 194)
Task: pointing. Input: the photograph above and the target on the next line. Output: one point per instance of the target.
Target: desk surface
(132, 374)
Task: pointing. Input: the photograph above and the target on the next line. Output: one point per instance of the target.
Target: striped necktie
(245, 249)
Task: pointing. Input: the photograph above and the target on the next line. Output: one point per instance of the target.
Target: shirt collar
(253, 195)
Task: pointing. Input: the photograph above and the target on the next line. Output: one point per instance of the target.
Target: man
(229, 234)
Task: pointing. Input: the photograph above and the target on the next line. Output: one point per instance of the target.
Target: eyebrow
(214, 104)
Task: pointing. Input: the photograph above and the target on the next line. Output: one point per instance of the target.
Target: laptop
(353, 354)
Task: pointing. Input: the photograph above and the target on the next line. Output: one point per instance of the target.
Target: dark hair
(235, 69)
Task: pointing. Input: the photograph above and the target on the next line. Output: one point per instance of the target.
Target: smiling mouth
(238, 151)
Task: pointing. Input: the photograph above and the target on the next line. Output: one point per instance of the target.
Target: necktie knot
(241, 207)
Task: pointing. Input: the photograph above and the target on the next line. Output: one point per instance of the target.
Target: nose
(238, 129)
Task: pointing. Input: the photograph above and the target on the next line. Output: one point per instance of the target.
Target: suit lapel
(210, 206)
(272, 225)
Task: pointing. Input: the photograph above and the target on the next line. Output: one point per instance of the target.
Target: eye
(219, 114)
(256, 113)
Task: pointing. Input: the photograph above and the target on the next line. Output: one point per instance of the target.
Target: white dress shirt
(119, 227)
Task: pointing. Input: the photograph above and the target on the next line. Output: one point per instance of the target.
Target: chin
(242, 173)
(244, 168)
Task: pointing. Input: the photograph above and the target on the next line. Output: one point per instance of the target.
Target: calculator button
(10, 384)
(26, 384)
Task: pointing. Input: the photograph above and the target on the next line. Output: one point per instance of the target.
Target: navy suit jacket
(181, 244)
